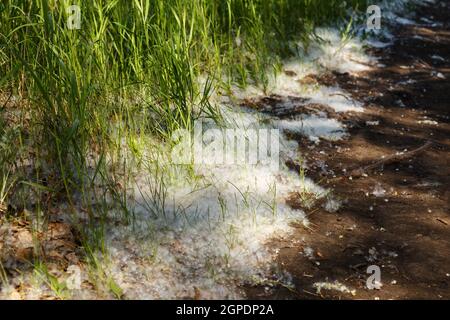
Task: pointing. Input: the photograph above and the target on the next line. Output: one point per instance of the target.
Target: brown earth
(405, 228)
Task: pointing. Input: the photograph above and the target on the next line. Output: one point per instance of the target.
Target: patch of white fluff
(437, 57)
(378, 191)
(210, 233)
(335, 98)
(308, 252)
(336, 285)
(429, 122)
(332, 205)
(332, 52)
(404, 21)
(377, 44)
(395, 11)
(313, 127)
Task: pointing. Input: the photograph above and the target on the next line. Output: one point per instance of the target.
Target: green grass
(131, 71)
(57, 287)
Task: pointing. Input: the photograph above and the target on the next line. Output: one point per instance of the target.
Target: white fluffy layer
(210, 234)
(203, 234)
(335, 98)
(314, 127)
(209, 237)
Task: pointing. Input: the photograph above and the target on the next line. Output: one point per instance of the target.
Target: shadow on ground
(398, 216)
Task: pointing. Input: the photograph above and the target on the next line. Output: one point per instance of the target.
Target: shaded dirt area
(396, 214)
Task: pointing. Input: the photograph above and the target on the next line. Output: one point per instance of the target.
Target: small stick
(310, 293)
(390, 159)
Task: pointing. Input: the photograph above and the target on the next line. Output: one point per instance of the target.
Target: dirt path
(396, 215)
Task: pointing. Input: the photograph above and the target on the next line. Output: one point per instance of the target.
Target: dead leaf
(3, 209)
(197, 294)
(24, 254)
(290, 73)
(59, 230)
(72, 258)
(24, 239)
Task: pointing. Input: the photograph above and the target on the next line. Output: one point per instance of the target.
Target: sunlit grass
(132, 70)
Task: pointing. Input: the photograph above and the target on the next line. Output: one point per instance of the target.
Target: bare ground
(404, 228)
